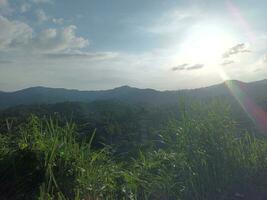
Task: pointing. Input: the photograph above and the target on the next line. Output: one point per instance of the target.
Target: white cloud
(41, 16)
(13, 33)
(57, 40)
(58, 21)
(17, 35)
(25, 7)
(264, 58)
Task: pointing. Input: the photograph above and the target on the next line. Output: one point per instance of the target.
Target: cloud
(195, 67)
(237, 49)
(17, 35)
(187, 68)
(14, 33)
(42, 1)
(3, 3)
(58, 21)
(58, 40)
(5, 8)
(257, 70)
(80, 55)
(25, 7)
(41, 16)
(172, 21)
(180, 67)
(227, 62)
(264, 58)
(5, 61)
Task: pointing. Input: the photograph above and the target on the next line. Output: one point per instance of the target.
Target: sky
(102, 44)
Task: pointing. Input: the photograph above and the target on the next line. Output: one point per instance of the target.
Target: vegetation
(201, 155)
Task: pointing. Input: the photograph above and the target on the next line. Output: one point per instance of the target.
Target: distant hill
(44, 95)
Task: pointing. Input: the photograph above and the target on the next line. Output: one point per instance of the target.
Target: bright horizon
(130, 86)
(97, 45)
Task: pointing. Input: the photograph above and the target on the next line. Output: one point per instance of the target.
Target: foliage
(203, 155)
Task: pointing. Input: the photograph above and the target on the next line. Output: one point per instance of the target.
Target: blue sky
(101, 44)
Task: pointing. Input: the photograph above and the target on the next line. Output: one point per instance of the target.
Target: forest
(110, 149)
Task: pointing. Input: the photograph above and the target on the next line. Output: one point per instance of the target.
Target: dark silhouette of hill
(44, 95)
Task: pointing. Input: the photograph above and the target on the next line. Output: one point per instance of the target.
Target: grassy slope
(201, 157)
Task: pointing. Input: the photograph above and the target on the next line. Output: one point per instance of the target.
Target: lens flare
(240, 93)
(239, 89)
(236, 12)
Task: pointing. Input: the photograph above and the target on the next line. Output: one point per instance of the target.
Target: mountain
(44, 95)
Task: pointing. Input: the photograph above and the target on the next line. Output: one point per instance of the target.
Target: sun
(205, 44)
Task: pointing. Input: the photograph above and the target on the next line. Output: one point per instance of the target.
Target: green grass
(202, 156)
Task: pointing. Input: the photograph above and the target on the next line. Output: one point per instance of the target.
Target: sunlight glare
(206, 44)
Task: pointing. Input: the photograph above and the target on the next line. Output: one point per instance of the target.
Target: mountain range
(45, 95)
